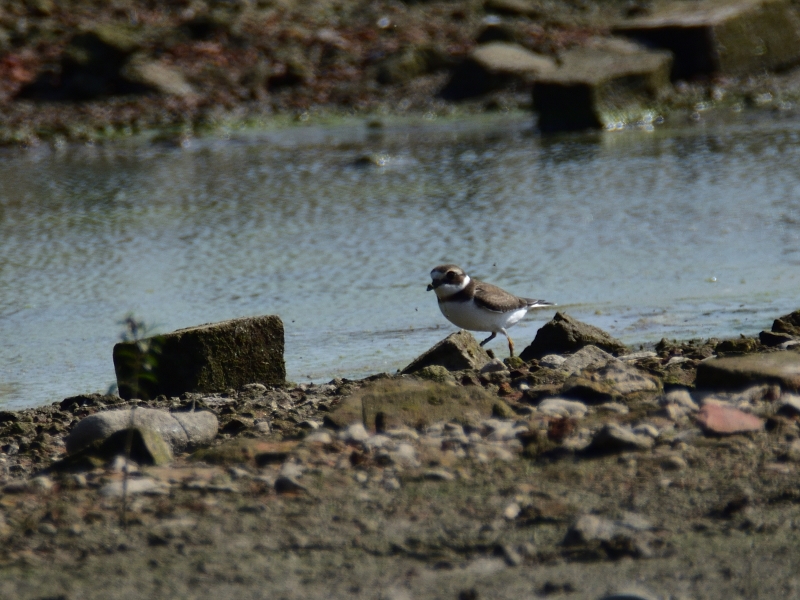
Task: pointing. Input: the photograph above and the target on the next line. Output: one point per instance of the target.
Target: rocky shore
(582, 469)
(88, 72)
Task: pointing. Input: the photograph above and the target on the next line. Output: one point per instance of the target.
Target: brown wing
(495, 299)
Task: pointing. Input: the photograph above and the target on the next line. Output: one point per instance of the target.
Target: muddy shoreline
(85, 72)
(571, 475)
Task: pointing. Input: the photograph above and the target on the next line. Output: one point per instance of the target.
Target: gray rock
(737, 372)
(564, 334)
(494, 366)
(588, 357)
(552, 361)
(199, 359)
(615, 438)
(178, 430)
(438, 475)
(736, 37)
(625, 379)
(559, 407)
(456, 352)
(613, 407)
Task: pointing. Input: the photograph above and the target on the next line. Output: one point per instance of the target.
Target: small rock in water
(680, 397)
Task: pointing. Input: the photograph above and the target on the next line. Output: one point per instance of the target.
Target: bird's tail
(537, 303)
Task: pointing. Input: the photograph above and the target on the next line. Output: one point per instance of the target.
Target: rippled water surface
(683, 233)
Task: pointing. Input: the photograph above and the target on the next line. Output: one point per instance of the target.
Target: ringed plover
(478, 306)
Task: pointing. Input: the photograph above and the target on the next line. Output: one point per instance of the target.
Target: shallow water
(674, 233)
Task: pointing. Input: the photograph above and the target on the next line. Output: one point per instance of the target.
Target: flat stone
(564, 334)
(723, 420)
(457, 352)
(615, 438)
(145, 485)
(200, 359)
(559, 407)
(600, 86)
(410, 402)
(495, 65)
(733, 37)
(625, 379)
(178, 430)
(736, 372)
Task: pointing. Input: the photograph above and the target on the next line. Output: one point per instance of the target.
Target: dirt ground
(302, 508)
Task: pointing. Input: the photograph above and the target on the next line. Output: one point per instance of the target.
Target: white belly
(468, 316)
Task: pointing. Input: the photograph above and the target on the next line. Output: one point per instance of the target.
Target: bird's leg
(490, 338)
(510, 342)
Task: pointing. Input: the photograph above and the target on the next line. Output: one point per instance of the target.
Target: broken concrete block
(601, 85)
(495, 65)
(208, 358)
(732, 37)
(458, 351)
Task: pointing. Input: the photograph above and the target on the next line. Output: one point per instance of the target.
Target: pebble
(559, 407)
(438, 475)
(615, 438)
(41, 484)
(47, 528)
(319, 437)
(680, 397)
(262, 426)
(392, 484)
(512, 511)
(673, 463)
(354, 433)
(613, 407)
(144, 485)
(646, 429)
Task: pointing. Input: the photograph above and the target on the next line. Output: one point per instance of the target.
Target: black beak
(429, 288)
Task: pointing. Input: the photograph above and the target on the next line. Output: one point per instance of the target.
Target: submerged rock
(564, 334)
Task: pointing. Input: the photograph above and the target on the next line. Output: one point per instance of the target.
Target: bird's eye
(450, 275)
